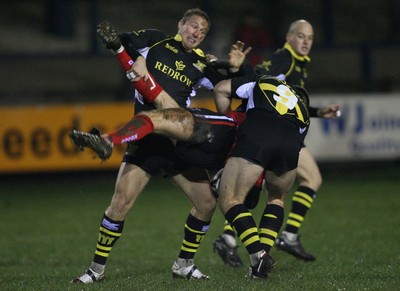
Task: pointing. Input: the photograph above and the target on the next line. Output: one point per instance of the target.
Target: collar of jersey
(198, 51)
(178, 38)
(296, 55)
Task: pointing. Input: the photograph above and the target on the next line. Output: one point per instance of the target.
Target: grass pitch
(49, 226)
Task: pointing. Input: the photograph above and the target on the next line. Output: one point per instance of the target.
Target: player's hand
(238, 54)
(108, 35)
(330, 111)
(138, 70)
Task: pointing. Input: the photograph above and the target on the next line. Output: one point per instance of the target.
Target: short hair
(196, 11)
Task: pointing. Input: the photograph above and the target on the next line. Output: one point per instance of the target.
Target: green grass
(49, 225)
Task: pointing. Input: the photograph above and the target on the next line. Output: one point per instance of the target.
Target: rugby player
(179, 67)
(289, 64)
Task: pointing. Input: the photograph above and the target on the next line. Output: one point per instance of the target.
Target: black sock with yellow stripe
(242, 221)
(270, 225)
(110, 232)
(302, 201)
(195, 230)
(228, 229)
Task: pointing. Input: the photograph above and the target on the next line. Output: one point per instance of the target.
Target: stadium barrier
(35, 138)
(368, 129)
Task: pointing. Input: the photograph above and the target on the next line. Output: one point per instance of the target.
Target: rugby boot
(227, 253)
(263, 267)
(185, 269)
(88, 277)
(92, 140)
(293, 247)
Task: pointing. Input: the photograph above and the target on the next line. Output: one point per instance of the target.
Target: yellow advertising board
(35, 138)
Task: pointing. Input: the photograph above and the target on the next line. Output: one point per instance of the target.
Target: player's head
(193, 28)
(300, 36)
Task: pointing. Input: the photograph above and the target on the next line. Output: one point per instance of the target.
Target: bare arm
(222, 93)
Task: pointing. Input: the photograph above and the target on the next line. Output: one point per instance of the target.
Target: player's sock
(302, 201)
(110, 232)
(270, 224)
(137, 128)
(242, 221)
(195, 230)
(149, 89)
(228, 229)
(229, 235)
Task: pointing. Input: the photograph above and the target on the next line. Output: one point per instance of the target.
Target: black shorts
(269, 141)
(157, 155)
(211, 153)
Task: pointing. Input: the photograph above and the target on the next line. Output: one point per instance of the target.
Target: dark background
(50, 53)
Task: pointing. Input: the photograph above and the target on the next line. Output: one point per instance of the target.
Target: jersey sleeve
(133, 41)
(214, 75)
(240, 83)
(313, 111)
(242, 87)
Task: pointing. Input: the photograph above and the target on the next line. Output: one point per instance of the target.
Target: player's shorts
(220, 133)
(157, 155)
(269, 141)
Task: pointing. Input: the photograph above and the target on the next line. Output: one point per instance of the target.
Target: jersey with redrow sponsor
(178, 71)
(287, 65)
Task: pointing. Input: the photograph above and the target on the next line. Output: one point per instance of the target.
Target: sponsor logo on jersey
(171, 48)
(174, 72)
(200, 66)
(180, 66)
